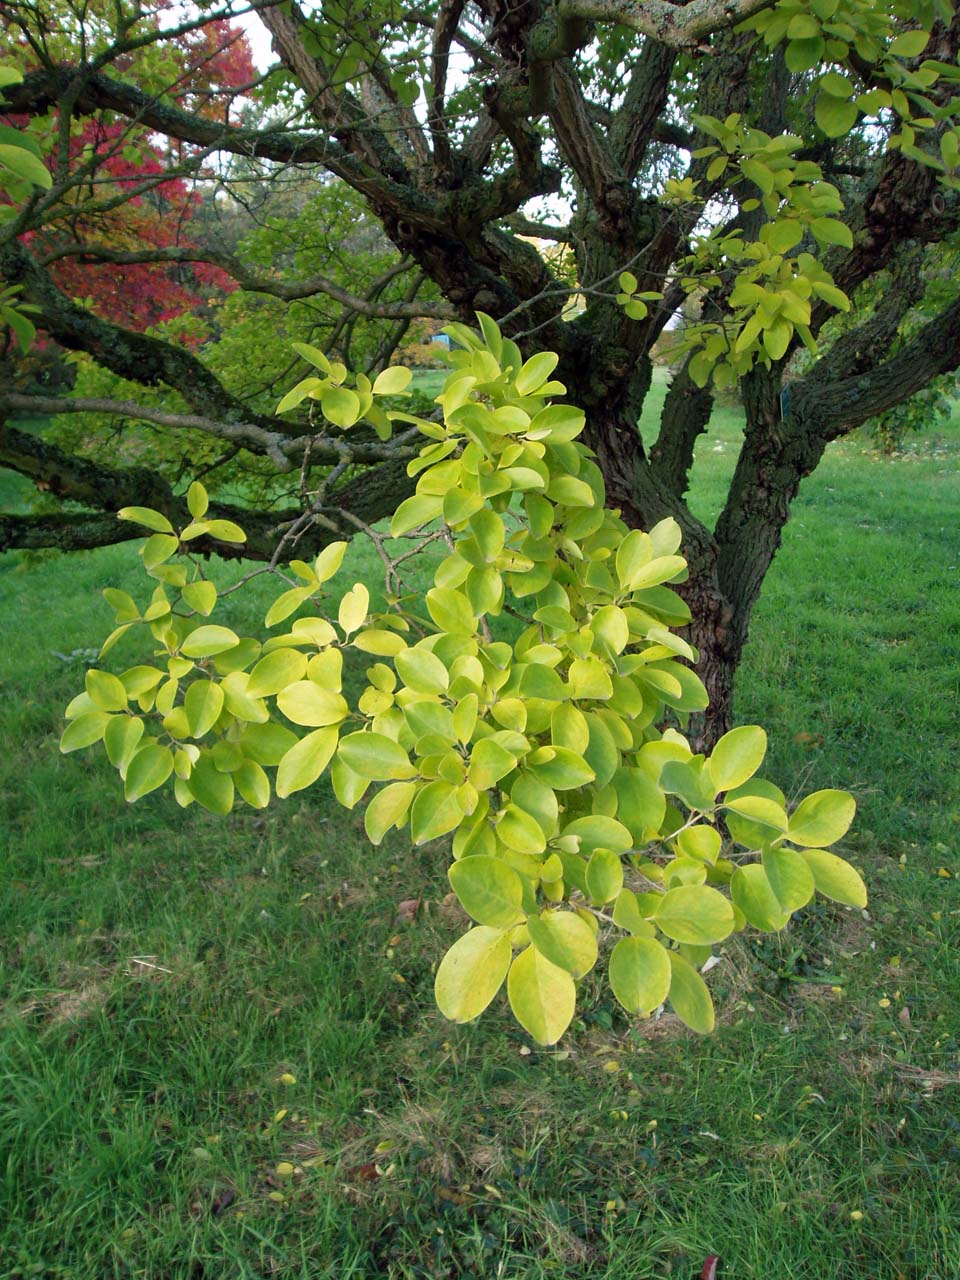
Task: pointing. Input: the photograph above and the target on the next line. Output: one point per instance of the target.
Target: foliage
(934, 404)
(543, 758)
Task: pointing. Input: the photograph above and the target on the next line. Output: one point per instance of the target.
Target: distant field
(219, 1054)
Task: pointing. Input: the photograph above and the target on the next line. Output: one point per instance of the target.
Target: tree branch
(675, 25)
(834, 408)
(372, 496)
(282, 451)
(288, 290)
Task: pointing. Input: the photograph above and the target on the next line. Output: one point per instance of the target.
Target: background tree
(776, 161)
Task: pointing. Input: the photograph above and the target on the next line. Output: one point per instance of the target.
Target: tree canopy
(783, 176)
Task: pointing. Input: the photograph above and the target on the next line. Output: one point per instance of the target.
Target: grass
(219, 1055)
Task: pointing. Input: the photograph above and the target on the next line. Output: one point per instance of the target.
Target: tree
(771, 160)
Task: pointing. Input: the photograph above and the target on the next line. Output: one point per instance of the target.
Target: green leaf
(790, 877)
(121, 739)
(803, 55)
(521, 832)
(562, 770)
(387, 809)
(209, 640)
(489, 762)
(203, 703)
(535, 372)
(306, 703)
(201, 596)
(640, 974)
(21, 162)
(689, 995)
(329, 560)
(910, 44)
(604, 876)
(421, 670)
(835, 116)
(84, 731)
(701, 844)
(753, 893)
(340, 405)
(275, 672)
(640, 803)
(285, 604)
(803, 27)
(225, 531)
(211, 788)
(267, 743)
(353, 608)
(835, 878)
(375, 756)
(695, 913)
(598, 831)
(146, 516)
(777, 336)
(414, 512)
(820, 819)
(392, 381)
(832, 231)
(253, 784)
(105, 690)
(542, 996)
(314, 356)
(471, 973)
(760, 809)
(149, 769)
(197, 500)
(488, 890)
(565, 940)
(305, 762)
(435, 812)
(451, 611)
(737, 756)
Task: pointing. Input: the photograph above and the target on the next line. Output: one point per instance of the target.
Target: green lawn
(219, 1052)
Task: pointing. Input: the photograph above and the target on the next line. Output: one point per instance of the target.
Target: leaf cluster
(575, 817)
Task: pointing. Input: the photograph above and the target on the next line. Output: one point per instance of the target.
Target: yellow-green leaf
(105, 690)
(565, 940)
(209, 640)
(488, 890)
(308, 704)
(149, 769)
(84, 731)
(689, 995)
(835, 878)
(353, 608)
(203, 703)
(640, 974)
(695, 913)
(375, 756)
(820, 819)
(542, 996)
(146, 516)
(276, 671)
(387, 809)
(305, 762)
(737, 757)
(604, 876)
(201, 596)
(435, 811)
(471, 973)
(752, 892)
(790, 877)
